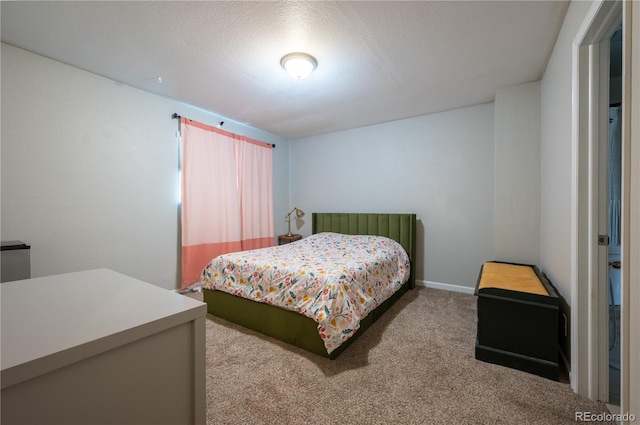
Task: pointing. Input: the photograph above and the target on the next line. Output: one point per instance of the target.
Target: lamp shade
(288, 218)
(298, 65)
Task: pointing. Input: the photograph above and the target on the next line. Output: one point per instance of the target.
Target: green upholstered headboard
(399, 227)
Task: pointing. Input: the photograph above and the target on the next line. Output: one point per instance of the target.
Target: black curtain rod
(221, 123)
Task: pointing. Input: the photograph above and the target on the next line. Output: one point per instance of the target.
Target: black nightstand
(284, 239)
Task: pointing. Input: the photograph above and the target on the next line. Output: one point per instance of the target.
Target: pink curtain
(227, 196)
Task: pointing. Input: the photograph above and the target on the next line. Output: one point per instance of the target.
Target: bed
(293, 326)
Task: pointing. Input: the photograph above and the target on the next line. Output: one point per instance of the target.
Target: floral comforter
(332, 278)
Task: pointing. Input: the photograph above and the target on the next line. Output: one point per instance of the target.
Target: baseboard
(445, 286)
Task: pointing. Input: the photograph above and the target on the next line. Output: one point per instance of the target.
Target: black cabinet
(519, 329)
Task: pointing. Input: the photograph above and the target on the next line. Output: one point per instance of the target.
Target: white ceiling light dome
(299, 65)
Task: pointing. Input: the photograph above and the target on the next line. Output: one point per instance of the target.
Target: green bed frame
(299, 330)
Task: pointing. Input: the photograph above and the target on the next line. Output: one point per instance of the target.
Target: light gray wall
(558, 238)
(556, 155)
(90, 170)
(557, 217)
(517, 147)
(439, 166)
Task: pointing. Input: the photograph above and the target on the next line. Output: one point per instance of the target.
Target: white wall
(439, 166)
(90, 170)
(559, 199)
(517, 148)
(556, 156)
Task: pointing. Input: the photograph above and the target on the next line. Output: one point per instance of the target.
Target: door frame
(589, 313)
(599, 173)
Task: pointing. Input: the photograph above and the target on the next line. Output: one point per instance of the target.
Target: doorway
(614, 209)
(592, 325)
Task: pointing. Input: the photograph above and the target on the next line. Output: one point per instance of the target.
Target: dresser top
(52, 321)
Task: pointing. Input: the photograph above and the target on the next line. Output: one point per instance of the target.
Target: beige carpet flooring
(416, 365)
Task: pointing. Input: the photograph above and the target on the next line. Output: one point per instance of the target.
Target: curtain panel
(227, 196)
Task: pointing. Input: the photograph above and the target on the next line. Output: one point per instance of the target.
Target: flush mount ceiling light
(298, 65)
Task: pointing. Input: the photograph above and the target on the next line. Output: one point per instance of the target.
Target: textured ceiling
(377, 61)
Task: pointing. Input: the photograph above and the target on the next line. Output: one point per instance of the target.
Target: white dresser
(100, 347)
